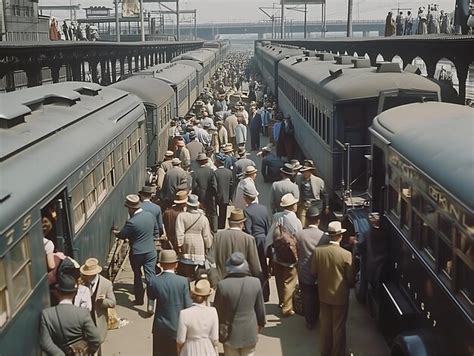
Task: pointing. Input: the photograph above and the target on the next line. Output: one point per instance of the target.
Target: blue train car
(72, 151)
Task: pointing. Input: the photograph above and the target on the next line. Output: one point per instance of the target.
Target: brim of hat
(90, 273)
(137, 206)
(303, 169)
(168, 262)
(254, 171)
(66, 290)
(201, 294)
(180, 201)
(237, 221)
(289, 204)
(192, 204)
(286, 172)
(336, 233)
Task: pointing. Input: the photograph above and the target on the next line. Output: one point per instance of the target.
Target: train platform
(281, 336)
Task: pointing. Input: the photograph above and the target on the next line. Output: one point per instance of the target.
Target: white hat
(288, 200)
(335, 228)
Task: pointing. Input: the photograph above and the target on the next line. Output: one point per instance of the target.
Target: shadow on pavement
(123, 292)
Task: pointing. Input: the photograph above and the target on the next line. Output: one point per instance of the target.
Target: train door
(56, 224)
(152, 134)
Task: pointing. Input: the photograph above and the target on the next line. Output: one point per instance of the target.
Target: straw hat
(175, 161)
(288, 200)
(202, 288)
(168, 256)
(132, 201)
(308, 165)
(201, 157)
(228, 148)
(169, 153)
(91, 267)
(335, 228)
(181, 197)
(250, 170)
(237, 215)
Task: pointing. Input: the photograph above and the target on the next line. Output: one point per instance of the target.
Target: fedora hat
(175, 161)
(228, 148)
(237, 263)
(287, 169)
(209, 149)
(132, 201)
(91, 267)
(181, 197)
(169, 153)
(335, 228)
(313, 211)
(202, 288)
(237, 215)
(168, 256)
(193, 200)
(66, 283)
(241, 152)
(201, 157)
(250, 170)
(295, 164)
(288, 200)
(147, 189)
(180, 143)
(308, 165)
(192, 135)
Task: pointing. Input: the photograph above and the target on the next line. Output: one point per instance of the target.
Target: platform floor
(281, 336)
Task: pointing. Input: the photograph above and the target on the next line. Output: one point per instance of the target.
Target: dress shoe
(289, 313)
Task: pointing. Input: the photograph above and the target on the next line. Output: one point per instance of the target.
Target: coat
(332, 266)
(175, 179)
(100, 307)
(194, 242)
(230, 124)
(271, 165)
(205, 185)
(317, 186)
(225, 185)
(169, 220)
(306, 242)
(257, 223)
(75, 322)
(172, 295)
(250, 312)
(281, 188)
(241, 134)
(140, 230)
(147, 205)
(231, 240)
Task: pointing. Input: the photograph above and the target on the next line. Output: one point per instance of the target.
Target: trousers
(243, 351)
(164, 345)
(222, 215)
(310, 302)
(333, 329)
(148, 262)
(286, 279)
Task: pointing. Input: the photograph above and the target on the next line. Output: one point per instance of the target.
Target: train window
(328, 129)
(445, 226)
(429, 212)
(90, 194)
(445, 257)
(465, 246)
(3, 295)
(404, 205)
(128, 147)
(416, 200)
(465, 274)
(416, 227)
(20, 270)
(79, 207)
(109, 170)
(320, 122)
(393, 200)
(118, 155)
(135, 144)
(101, 184)
(428, 240)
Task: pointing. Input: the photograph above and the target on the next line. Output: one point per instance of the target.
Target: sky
(248, 10)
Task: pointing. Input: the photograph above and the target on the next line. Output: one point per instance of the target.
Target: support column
(10, 81)
(137, 68)
(147, 60)
(94, 72)
(113, 64)
(33, 75)
(462, 71)
(122, 66)
(142, 62)
(55, 67)
(103, 72)
(75, 68)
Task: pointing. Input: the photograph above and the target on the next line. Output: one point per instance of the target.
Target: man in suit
(65, 323)
(255, 128)
(257, 225)
(271, 165)
(242, 294)
(182, 153)
(140, 230)
(332, 266)
(175, 179)
(194, 147)
(282, 187)
(230, 124)
(205, 187)
(145, 196)
(234, 239)
(250, 175)
(306, 241)
(225, 188)
(171, 293)
(163, 168)
(242, 163)
(311, 189)
(170, 216)
(222, 133)
(102, 295)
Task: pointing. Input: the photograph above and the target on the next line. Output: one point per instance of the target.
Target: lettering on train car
(446, 204)
(19, 229)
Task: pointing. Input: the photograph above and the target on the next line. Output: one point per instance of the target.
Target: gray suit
(281, 188)
(100, 306)
(75, 323)
(175, 179)
(250, 311)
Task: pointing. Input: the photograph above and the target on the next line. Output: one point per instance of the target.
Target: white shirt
(66, 301)
(83, 297)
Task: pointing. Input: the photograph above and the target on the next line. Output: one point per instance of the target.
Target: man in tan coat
(332, 266)
(102, 294)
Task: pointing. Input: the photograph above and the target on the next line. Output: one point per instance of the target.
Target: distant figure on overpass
(389, 25)
(399, 24)
(408, 24)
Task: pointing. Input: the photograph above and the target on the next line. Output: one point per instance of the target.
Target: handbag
(298, 301)
(225, 327)
(79, 347)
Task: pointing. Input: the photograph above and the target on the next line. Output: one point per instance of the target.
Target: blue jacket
(172, 295)
(156, 211)
(140, 230)
(257, 223)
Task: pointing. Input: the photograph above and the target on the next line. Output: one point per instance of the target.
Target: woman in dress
(198, 326)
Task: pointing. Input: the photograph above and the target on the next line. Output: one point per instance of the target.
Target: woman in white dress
(198, 326)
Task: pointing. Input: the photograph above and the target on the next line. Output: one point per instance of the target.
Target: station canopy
(302, 2)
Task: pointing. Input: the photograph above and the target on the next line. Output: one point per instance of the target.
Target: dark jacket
(175, 179)
(75, 323)
(250, 312)
(172, 295)
(271, 165)
(140, 230)
(204, 184)
(224, 185)
(156, 211)
(257, 223)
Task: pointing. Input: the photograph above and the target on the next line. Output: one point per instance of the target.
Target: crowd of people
(72, 31)
(203, 237)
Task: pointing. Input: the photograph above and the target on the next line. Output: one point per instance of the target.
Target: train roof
(438, 139)
(352, 83)
(56, 138)
(191, 63)
(29, 116)
(149, 89)
(173, 73)
(200, 56)
(277, 53)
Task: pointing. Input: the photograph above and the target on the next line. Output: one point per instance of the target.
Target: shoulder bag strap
(60, 326)
(238, 302)
(194, 223)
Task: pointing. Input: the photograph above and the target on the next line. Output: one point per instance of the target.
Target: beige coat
(100, 308)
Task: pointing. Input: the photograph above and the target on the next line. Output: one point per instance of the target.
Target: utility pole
(305, 12)
(195, 25)
(282, 29)
(177, 20)
(323, 19)
(349, 18)
(142, 22)
(117, 21)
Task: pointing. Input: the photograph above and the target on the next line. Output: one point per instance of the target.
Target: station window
(79, 207)
(101, 184)
(90, 194)
(20, 270)
(3, 295)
